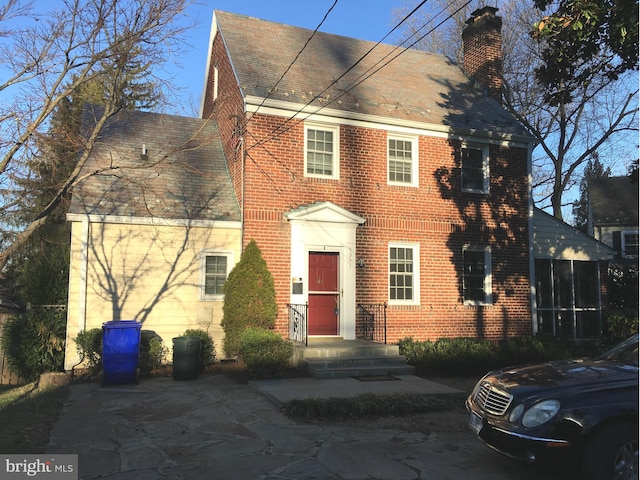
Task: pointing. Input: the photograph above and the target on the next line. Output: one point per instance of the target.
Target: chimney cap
(480, 12)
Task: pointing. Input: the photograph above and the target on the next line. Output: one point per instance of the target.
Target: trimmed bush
(208, 347)
(522, 350)
(249, 298)
(474, 356)
(365, 405)
(34, 342)
(620, 325)
(89, 348)
(265, 353)
(152, 352)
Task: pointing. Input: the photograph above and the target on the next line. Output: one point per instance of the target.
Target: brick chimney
(482, 48)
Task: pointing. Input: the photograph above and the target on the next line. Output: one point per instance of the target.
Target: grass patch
(27, 414)
(366, 405)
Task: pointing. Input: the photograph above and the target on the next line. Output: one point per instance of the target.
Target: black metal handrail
(298, 331)
(372, 322)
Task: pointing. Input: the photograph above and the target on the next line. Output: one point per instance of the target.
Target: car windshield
(625, 352)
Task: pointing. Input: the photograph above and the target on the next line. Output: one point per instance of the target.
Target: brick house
(377, 181)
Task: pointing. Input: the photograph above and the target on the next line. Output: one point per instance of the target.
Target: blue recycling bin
(120, 352)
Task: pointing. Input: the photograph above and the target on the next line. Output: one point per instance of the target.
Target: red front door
(324, 297)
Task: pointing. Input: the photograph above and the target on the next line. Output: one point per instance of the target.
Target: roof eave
(312, 112)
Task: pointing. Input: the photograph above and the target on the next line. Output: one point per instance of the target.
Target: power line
(296, 58)
(276, 132)
(337, 79)
(354, 84)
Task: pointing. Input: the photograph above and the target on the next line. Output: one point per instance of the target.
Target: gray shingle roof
(184, 175)
(415, 86)
(613, 201)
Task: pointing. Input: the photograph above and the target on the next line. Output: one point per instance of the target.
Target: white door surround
(326, 227)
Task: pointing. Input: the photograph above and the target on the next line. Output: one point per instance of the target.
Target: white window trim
(335, 129)
(485, 167)
(203, 270)
(416, 273)
(414, 158)
(488, 293)
(623, 243)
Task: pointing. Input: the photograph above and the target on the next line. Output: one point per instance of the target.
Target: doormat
(376, 378)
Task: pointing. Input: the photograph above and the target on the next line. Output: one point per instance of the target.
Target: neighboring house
(377, 179)
(613, 215)
(570, 270)
(155, 228)
(613, 219)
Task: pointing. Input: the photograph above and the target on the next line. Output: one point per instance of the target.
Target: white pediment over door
(324, 212)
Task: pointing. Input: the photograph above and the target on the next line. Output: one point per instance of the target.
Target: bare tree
(598, 120)
(45, 58)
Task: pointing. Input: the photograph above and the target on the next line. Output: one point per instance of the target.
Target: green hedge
(89, 348)
(265, 353)
(474, 356)
(153, 352)
(34, 342)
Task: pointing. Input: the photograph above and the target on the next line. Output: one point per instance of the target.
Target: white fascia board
(212, 35)
(163, 222)
(303, 112)
(214, 31)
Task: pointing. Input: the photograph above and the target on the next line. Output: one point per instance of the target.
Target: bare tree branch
(46, 58)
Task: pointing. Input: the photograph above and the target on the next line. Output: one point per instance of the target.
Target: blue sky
(363, 19)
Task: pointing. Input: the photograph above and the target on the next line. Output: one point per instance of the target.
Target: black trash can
(187, 357)
(120, 351)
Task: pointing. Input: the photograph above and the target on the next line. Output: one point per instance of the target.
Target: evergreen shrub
(89, 348)
(620, 325)
(265, 353)
(249, 298)
(34, 342)
(474, 356)
(153, 352)
(208, 347)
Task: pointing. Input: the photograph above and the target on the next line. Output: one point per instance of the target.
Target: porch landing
(338, 358)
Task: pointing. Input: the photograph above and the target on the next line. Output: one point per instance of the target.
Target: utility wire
(279, 129)
(295, 59)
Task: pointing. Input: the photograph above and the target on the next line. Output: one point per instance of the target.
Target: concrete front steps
(338, 358)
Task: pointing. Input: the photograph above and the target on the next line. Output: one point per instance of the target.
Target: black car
(583, 412)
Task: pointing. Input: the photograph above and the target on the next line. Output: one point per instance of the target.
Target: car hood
(564, 373)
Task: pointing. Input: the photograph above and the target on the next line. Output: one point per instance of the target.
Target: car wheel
(612, 454)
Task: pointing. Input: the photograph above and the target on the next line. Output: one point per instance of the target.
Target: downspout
(532, 263)
(242, 174)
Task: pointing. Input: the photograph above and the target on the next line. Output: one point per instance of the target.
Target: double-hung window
(403, 273)
(630, 244)
(475, 169)
(402, 160)
(215, 268)
(321, 153)
(476, 275)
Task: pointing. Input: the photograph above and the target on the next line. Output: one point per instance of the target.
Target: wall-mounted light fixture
(360, 262)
